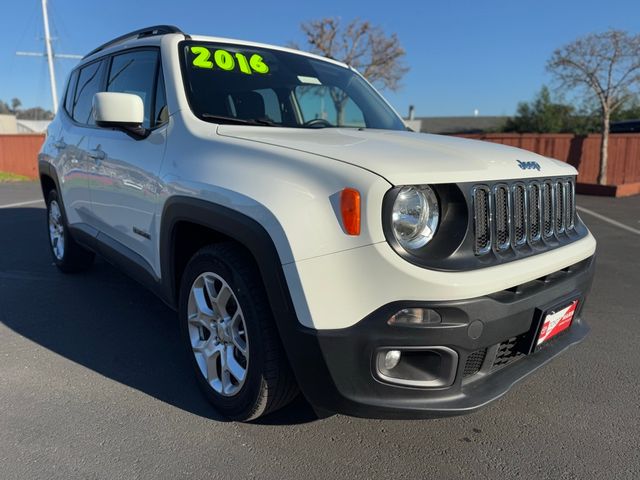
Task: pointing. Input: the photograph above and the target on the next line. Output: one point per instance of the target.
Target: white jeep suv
(308, 241)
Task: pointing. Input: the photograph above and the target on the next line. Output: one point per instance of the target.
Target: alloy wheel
(56, 230)
(218, 334)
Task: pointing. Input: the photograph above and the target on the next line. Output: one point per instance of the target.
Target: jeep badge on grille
(528, 165)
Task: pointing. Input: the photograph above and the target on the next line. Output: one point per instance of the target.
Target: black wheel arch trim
(300, 343)
(45, 169)
(228, 222)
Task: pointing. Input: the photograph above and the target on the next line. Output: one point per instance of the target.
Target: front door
(125, 186)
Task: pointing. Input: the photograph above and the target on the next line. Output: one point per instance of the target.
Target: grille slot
(547, 210)
(510, 216)
(502, 218)
(482, 220)
(560, 208)
(534, 212)
(474, 363)
(570, 205)
(519, 214)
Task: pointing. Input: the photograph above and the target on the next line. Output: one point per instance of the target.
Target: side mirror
(122, 111)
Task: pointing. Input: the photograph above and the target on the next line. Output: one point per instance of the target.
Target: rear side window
(71, 90)
(89, 83)
(135, 73)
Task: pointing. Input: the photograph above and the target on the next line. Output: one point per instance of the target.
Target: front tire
(228, 329)
(68, 256)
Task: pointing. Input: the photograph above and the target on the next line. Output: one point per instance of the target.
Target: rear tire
(230, 334)
(68, 256)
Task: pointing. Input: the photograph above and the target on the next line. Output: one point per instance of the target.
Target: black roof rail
(143, 32)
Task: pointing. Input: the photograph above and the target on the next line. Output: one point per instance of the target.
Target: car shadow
(102, 320)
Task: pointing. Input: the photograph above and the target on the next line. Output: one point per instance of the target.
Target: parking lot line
(608, 220)
(20, 204)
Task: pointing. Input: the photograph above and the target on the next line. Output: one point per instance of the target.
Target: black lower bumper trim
(336, 372)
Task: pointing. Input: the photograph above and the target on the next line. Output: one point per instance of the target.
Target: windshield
(239, 84)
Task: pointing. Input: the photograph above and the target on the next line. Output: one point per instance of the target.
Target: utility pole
(50, 56)
(47, 42)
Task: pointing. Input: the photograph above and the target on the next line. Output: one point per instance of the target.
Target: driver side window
(135, 72)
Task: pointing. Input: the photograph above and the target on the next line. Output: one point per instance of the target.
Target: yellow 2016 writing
(224, 60)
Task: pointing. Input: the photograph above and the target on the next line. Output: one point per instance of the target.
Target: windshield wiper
(239, 121)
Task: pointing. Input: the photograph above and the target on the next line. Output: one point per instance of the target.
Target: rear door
(74, 163)
(125, 186)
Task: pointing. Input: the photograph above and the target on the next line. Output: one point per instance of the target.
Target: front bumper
(336, 368)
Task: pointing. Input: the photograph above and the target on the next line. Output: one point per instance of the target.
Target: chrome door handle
(97, 154)
(60, 144)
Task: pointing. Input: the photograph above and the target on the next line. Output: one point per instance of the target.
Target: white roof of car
(155, 40)
(202, 38)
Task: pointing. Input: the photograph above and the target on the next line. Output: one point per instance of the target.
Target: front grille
(513, 215)
(474, 362)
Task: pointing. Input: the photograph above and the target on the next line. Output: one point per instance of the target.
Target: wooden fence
(19, 153)
(581, 151)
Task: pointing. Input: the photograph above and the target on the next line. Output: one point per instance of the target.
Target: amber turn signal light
(350, 209)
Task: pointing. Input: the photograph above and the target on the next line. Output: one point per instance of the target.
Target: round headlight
(415, 216)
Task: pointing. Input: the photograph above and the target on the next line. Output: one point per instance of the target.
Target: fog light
(415, 317)
(391, 359)
(415, 366)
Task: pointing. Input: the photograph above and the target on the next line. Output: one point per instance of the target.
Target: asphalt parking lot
(94, 384)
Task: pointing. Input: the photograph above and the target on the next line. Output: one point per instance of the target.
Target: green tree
(35, 113)
(15, 104)
(543, 115)
(631, 111)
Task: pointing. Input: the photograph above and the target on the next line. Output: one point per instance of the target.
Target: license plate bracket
(555, 322)
(549, 322)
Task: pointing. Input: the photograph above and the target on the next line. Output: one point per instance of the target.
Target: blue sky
(464, 55)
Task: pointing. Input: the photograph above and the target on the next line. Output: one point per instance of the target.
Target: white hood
(407, 157)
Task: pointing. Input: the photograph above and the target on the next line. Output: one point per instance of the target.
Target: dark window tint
(161, 111)
(271, 104)
(135, 73)
(328, 103)
(68, 96)
(284, 88)
(89, 83)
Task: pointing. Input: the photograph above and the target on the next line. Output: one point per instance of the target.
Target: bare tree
(605, 66)
(361, 45)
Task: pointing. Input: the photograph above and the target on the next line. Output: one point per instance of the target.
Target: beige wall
(8, 124)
